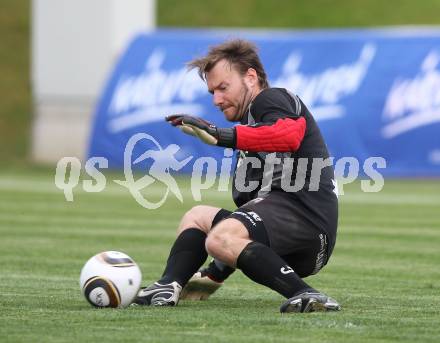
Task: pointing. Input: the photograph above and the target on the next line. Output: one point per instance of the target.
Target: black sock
(219, 271)
(262, 265)
(186, 256)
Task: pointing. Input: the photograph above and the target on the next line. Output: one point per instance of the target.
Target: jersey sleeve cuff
(227, 137)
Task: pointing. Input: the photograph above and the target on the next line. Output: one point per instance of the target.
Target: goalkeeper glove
(204, 130)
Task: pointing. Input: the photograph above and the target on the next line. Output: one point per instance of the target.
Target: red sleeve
(283, 136)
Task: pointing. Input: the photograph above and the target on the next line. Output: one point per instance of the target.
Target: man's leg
(186, 256)
(208, 279)
(230, 242)
(217, 270)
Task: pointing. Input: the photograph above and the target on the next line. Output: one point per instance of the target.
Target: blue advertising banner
(373, 93)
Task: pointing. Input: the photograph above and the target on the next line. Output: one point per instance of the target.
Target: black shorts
(275, 220)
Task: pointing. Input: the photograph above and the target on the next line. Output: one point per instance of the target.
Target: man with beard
(279, 233)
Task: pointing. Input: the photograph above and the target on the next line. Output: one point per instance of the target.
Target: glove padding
(204, 130)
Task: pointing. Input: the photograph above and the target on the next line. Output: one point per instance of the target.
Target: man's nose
(218, 99)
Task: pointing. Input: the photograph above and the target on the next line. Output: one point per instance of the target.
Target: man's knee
(199, 217)
(215, 241)
(225, 237)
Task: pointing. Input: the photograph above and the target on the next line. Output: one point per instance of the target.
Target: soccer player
(280, 232)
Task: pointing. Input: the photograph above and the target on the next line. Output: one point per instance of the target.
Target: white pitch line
(21, 184)
(32, 218)
(383, 198)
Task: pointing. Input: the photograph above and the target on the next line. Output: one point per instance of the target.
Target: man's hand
(194, 126)
(204, 130)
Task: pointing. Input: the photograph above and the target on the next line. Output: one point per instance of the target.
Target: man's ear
(251, 78)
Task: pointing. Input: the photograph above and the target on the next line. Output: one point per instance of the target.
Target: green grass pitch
(384, 271)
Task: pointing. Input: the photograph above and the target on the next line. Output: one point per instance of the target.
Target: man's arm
(285, 135)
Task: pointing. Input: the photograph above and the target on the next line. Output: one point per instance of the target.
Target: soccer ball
(110, 279)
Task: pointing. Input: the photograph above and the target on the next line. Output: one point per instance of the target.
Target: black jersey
(272, 171)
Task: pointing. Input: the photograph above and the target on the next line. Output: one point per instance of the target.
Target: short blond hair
(240, 53)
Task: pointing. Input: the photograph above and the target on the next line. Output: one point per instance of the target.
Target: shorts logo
(321, 257)
(286, 270)
(249, 217)
(255, 216)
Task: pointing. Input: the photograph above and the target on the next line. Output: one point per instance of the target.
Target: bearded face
(232, 92)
